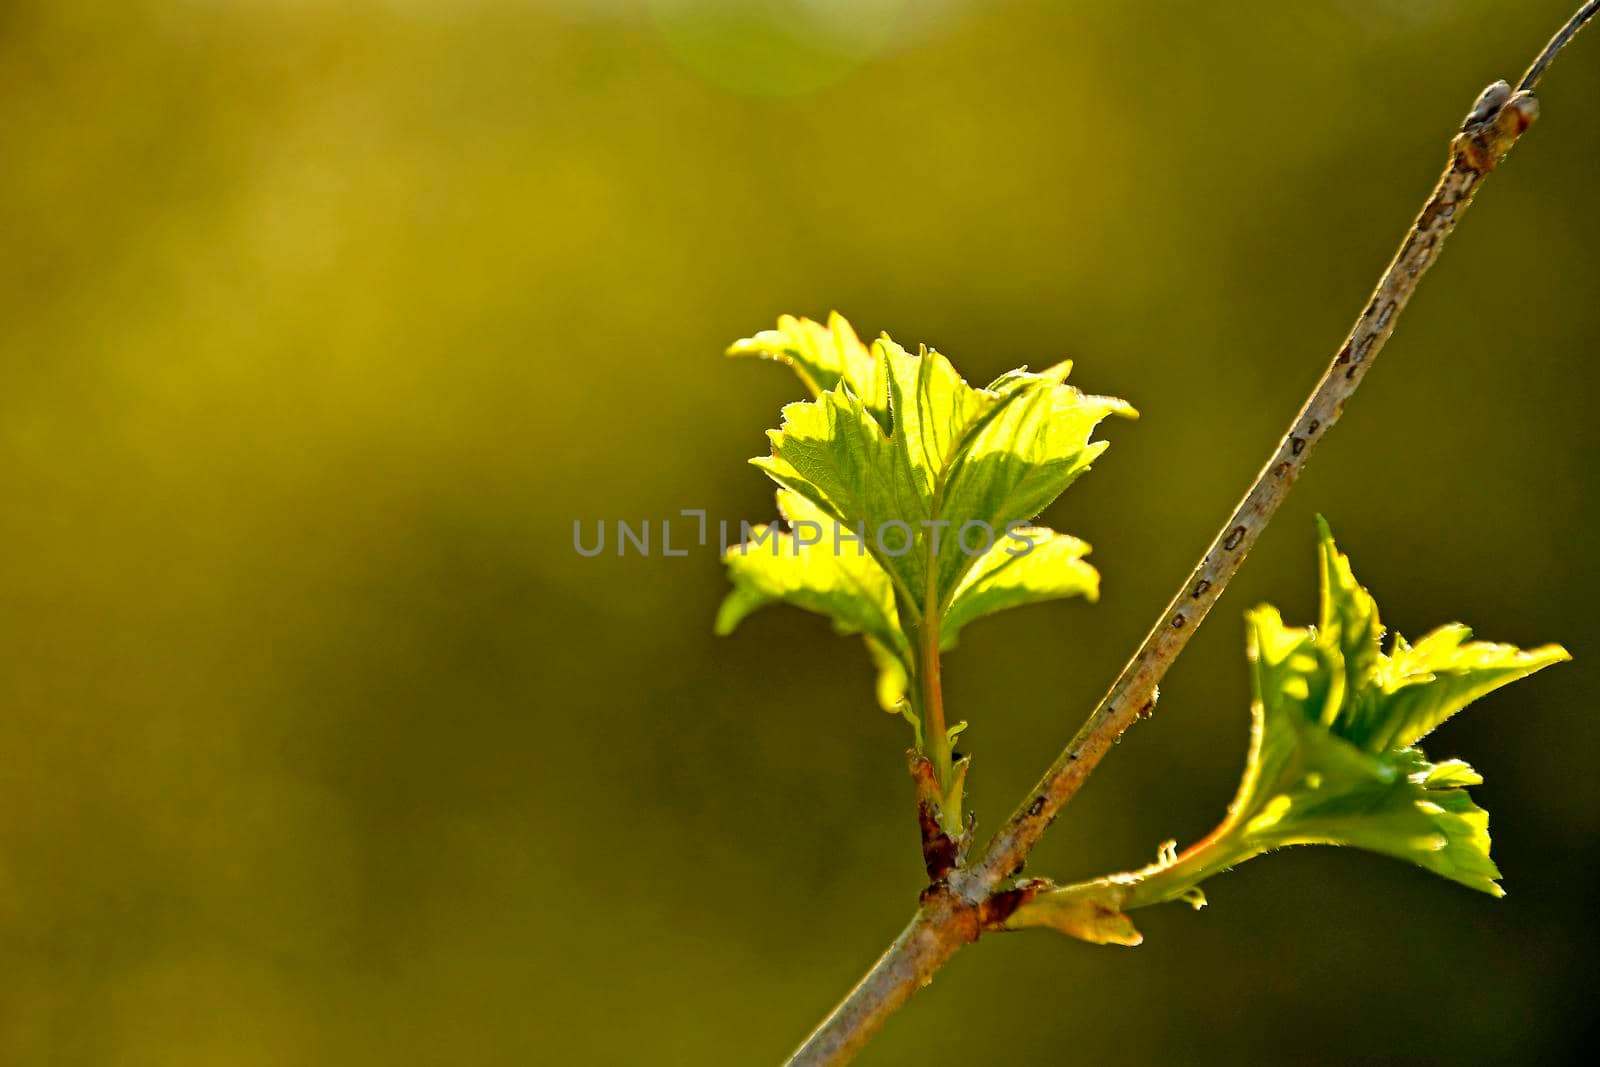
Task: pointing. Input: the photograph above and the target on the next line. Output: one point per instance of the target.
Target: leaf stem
(1163, 882)
(934, 732)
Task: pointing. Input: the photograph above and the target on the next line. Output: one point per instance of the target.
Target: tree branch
(941, 926)
(973, 899)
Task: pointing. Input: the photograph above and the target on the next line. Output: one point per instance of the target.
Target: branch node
(941, 853)
(1003, 903)
(1493, 125)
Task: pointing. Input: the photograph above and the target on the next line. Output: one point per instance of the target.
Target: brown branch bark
(972, 899)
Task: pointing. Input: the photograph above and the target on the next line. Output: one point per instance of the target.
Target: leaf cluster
(1333, 760)
(906, 495)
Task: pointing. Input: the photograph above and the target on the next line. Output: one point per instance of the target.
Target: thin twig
(1530, 80)
(975, 899)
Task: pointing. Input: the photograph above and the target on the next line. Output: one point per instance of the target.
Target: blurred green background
(321, 323)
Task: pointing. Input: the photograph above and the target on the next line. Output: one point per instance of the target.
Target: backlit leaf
(1332, 759)
(812, 567)
(925, 486)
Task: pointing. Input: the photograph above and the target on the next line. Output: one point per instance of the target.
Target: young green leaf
(934, 481)
(1332, 757)
(1030, 565)
(822, 357)
(1091, 913)
(922, 485)
(960, 467)
(812, 567)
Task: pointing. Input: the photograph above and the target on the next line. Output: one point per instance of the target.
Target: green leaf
(893, 683)
(1396, 699)
(812, 567)
(822, 357)
(1333, 761)
(961, 465)
(1424, 685)
(926, 484)
(1308, 784)
(1090, 914)
(1336, 717)
(1348, 619)
(1029, 565)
